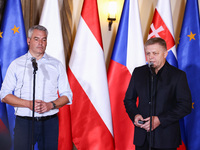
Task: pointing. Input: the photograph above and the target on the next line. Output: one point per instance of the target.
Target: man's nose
(40, 42)
(151, 56)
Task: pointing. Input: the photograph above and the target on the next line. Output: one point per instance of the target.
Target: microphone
(34, 63)
(152, 69)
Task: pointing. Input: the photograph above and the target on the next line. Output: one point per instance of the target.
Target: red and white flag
(90, 110)
(50, 18)
(128, 53)
(162, 26)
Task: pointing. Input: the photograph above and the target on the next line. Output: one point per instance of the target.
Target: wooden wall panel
(2, 4)
(66, 18)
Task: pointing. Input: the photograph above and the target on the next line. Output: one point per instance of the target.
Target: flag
(5, 139)
(188, 54)
(12, 45)
(90, 112)
(128, 53)
(3, 113)
(50, 18)
(162, 26)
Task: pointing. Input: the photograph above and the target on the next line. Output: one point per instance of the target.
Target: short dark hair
(156, 40)
(38, 27)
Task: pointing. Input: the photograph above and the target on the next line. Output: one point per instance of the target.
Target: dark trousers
(45, 134)
(146, 146)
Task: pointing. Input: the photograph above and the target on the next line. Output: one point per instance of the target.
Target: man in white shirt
(50, 78)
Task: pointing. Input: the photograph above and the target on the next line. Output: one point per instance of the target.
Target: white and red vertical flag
(90, 111)
(128, 53)
(50, 18)
(162, 26)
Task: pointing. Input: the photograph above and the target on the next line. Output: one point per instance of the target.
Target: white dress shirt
(51, 78)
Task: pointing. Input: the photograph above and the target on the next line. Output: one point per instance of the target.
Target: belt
(38, 118)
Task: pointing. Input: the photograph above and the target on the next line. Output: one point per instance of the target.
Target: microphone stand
(33, 112)
(151, 104)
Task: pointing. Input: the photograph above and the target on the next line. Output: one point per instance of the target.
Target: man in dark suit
(165, 89)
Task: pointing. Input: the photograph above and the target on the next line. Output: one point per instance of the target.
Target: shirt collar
(29, 56)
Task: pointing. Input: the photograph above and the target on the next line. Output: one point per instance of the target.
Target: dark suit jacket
(172, 102)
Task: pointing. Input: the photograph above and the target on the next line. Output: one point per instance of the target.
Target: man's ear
(28, 41)
(166, 53)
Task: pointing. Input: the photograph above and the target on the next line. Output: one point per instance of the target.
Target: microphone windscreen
(34, 63)
(150, 64)
(33, 59)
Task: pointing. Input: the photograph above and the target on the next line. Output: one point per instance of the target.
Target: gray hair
(38, 27)
(156, 40)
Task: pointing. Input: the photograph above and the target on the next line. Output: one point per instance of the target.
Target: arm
(183, 103)
(130, 100)
(60, 102)
(17, 102)
(64, 92)
(8, 86)
(146, 125)
(41, 106)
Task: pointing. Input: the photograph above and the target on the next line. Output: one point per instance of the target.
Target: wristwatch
(54, 105)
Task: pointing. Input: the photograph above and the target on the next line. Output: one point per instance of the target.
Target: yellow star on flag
(193, 105)
(178, 40)
(15, 29)
(191, 36)
(1, 34)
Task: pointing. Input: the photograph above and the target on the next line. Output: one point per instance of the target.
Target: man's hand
(41, 106)
(155, 123)
(137, 118)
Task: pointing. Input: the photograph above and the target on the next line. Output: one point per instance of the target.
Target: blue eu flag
(12, 45)
(188, 53)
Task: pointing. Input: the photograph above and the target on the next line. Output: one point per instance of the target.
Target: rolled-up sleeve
(9, 82)
(63, 84)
